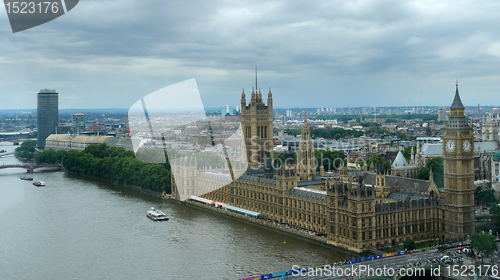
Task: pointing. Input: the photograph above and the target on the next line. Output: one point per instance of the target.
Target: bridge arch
(32, 167)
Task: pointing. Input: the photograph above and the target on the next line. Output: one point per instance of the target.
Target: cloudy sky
(108, 54)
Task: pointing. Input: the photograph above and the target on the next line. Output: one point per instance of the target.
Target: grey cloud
(114, 51)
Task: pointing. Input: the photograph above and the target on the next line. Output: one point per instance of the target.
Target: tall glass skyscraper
(48, 115)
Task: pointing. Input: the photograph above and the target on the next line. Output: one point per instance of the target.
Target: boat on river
(27, 178)
(39, 183)
(2, 151)
(156, 215)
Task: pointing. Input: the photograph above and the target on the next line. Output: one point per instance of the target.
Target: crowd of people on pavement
(452, 258)
(292, 227)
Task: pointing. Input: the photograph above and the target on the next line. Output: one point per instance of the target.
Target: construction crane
(126, 122)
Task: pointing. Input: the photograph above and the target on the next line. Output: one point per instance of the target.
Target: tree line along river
(80, 228)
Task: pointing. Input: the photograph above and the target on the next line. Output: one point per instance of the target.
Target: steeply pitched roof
(399, 161)
(457, 103)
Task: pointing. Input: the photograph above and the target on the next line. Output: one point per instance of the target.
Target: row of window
(388, 232)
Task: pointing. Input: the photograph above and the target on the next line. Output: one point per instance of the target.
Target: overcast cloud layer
(108, 54)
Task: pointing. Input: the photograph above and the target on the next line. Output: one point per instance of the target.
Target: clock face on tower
(450, 146)
(466, 146)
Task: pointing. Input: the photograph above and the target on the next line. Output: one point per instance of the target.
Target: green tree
(293, 132)
(484, 196)
(208, 159)
(279, 158)
(483, 242)
(324, 134)
(116, 165)
(375, 160)
(494, 209)
(436, 163)
(26, 150)
(151, 155)
(407, 153)
(331, 160)
(409, 244)
(423, 173)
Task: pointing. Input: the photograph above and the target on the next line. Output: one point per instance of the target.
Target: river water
(79, 228)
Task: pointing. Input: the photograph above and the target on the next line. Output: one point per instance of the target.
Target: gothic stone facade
(257, 127)
(355, 209)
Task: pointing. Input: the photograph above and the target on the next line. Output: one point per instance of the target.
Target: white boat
(39, 183)
(156, 215)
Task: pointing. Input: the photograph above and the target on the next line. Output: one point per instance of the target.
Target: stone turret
(306, 161)
(243, 100)
(257, 127)
(270, 98)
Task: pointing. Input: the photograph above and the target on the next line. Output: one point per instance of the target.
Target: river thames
(79, 228)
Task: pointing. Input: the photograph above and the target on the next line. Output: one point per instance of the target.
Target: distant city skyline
(338, 54)
(485, 108)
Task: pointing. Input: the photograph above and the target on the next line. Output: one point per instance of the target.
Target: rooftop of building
(431, 149)
(405, 196)
(399, 161)
(47, 91)
(308, 193)
(79, 138)
(406, 185)
(59, 137)
(486, 146)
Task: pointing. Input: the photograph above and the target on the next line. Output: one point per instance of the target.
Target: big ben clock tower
(458, 151)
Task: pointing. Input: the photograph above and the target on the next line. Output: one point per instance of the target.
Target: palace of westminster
(355, 208)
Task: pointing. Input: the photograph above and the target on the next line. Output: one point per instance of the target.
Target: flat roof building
(78, 121)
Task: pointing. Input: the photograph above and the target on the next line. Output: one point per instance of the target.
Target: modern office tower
(442, 115)
(47, 115)
(78, 121)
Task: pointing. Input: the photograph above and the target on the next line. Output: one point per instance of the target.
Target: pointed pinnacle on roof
(457, 103)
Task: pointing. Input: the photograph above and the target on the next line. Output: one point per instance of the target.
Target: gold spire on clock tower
(457, 109)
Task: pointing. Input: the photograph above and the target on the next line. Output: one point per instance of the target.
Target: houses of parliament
(355, 208)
